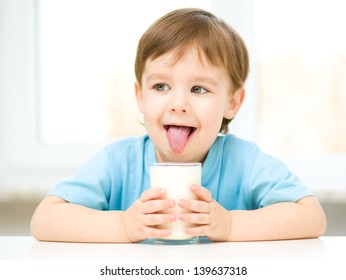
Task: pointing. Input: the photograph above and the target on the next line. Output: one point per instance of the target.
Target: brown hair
(183, 28)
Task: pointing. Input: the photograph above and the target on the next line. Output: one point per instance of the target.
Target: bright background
(66, 85)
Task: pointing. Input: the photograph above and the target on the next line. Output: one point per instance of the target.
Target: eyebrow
(157, 77)
(203, 79)
(197, 79)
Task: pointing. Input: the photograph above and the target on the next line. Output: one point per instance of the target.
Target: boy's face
(183, 105)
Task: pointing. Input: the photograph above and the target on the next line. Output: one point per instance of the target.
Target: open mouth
(178, 136)
(189, 130)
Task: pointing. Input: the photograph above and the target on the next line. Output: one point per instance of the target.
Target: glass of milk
(176, 179)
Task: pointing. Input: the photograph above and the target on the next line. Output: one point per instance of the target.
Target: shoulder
(233, 154)
(237, 147)
(246, 156)
(128, 144)
(248, 152)
(130, 149)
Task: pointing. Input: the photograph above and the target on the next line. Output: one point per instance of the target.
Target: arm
(58, 220)
(287, 220)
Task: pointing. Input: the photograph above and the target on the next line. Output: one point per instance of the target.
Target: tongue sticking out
(177, 137)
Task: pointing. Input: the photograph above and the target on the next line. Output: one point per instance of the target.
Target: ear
(139, 96)
(235, 101)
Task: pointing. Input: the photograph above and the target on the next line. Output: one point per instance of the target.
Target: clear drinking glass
(176, 179)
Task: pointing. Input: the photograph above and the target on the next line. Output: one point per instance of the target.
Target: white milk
(176, 178)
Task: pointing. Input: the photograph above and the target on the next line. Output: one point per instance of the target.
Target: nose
(179, 103)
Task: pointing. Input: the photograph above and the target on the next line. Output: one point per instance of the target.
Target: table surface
(26, 247)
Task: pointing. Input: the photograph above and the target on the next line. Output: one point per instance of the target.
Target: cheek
(151, 112)
(148, 116)
(212, 116)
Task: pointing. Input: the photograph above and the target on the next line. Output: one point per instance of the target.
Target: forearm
(304, 219)
(74, 223)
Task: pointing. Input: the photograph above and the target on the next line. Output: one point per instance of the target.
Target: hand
(140, 221)
(209, 217)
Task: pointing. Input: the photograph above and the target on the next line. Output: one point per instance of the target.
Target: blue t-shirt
(237, 173)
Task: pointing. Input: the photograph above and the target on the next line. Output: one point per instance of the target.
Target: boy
(190, 72)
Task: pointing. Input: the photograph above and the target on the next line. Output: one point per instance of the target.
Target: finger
(158, 219)
(150, 194)
(153, 206)
(195, 218)
(195, 205)
(152, 232)
(198, 231)
(202, 193)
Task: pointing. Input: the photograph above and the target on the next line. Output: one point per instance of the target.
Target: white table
(320, 258)
(26, 247)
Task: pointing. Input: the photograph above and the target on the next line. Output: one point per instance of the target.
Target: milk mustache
(176, 179)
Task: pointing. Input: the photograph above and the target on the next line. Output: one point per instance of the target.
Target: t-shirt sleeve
(90, 186)
(271, 181)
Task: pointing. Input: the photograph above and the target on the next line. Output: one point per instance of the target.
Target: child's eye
(161, 87)
(198, 90)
